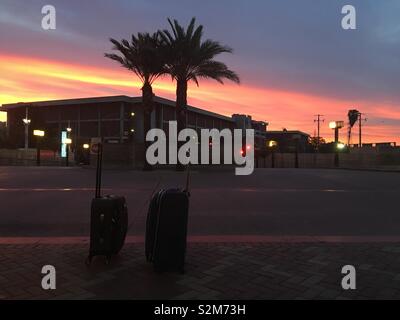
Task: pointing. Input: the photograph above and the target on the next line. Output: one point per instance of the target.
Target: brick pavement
(215, 270)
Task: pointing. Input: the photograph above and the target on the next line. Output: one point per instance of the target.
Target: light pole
(68, 141)
(272, 145)
(39, 134)
(86, 153)
(336, 125)
(26, 122)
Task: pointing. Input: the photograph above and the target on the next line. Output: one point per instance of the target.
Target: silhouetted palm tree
(142, 55)
(190, 58)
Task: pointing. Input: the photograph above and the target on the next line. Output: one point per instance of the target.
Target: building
(244, 122)
(288, 140)
(117, 119)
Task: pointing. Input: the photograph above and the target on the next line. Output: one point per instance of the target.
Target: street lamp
(39, 134)
(272, 144)
(336, 125)
(26, 122)
(86, 146)
(332, 124)
(340, 146)
(68, 142)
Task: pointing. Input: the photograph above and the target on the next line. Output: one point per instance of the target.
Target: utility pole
(360, 120)
(318, 120)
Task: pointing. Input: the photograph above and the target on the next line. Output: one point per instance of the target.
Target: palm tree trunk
(181, 105)
(147, 98)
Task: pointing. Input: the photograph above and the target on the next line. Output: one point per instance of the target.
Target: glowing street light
(332, 124)
(38, 133)
(272, 144)
(132, 114)
(86, 146)
(340, 146)
(69, 129)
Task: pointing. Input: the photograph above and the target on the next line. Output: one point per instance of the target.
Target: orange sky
(28, 79)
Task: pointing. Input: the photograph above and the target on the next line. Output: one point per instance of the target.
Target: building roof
(121, 98)
(287, 132)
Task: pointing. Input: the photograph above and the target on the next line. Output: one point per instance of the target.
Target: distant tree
(142, 56)
(315, 142)
(188, 57)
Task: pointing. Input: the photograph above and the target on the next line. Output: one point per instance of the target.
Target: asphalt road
(56, 201)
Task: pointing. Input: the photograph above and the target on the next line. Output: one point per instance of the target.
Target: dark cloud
(290, 45)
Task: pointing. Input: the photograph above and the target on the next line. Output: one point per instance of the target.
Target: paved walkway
(256, 269)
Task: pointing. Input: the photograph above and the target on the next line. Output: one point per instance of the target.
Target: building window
(89, 112)
(89, 129)
(69, 113)
(111, 112)
(110, 129)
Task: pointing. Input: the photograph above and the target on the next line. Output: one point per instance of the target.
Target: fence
(22, 157)
(327, 160)
(118, 156)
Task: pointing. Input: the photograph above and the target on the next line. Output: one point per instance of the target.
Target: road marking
(213, 190)
(214, 239)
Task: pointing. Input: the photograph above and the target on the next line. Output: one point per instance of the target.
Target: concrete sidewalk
(256, 269)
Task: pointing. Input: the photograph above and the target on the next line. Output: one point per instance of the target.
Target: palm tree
(142, 55)
(190, 58)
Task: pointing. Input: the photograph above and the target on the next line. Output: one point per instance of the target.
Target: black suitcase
(108, 220)
(108, 226)
(166, 230)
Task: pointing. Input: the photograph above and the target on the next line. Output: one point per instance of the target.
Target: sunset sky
(293, 57)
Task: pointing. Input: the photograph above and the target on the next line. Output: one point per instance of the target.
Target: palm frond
(190, 58)
(142, 55)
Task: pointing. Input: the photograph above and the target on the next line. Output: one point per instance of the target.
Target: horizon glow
(23, 77)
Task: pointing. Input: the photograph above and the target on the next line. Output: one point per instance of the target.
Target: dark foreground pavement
(255, 213)
(255, 270)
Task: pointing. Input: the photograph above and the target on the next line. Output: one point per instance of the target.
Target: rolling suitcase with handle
(109, 220)
(166, 229)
